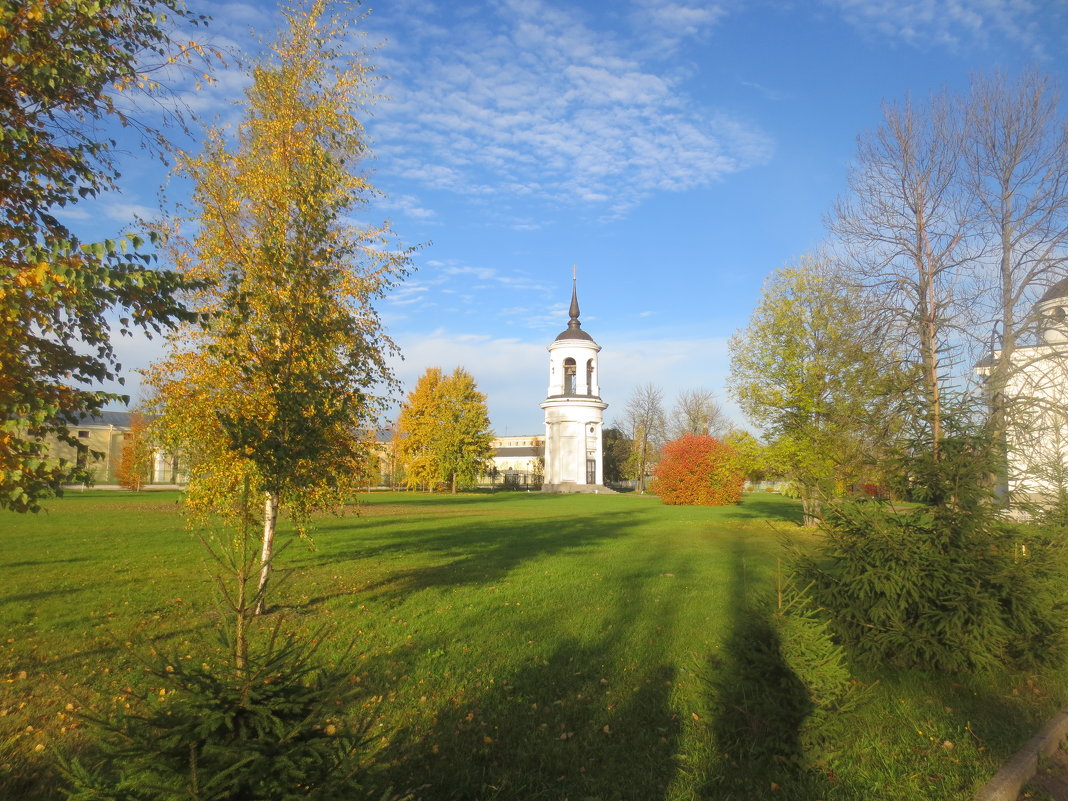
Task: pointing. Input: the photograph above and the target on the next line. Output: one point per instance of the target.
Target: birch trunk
(270, 518)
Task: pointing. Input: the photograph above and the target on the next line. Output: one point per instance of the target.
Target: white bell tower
(574, 411)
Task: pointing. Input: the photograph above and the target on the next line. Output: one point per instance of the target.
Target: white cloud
(667, 22)
(953, 23)
(767, 92)
(129, 213)
(514, 373)
(408, 204)
(511, 373)
(481, 273)
(407, 293)
(672, 364)
(530, 100)
(452, 286)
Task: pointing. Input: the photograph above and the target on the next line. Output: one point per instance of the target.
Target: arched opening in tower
(569, 376)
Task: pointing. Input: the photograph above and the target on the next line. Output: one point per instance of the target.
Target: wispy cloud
(458, 287)
(408, 205)
(767, 92)
(668, 22)
(528, 100)
(129, 213)
(955, 23)
(513, 372)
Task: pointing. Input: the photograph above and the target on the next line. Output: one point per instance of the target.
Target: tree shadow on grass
(984, 718)
(43, 562)
(581, 721)
(417, 498)
(775, 511)
(476, 551)
(760, 709)
(547, 731)
(40, 595)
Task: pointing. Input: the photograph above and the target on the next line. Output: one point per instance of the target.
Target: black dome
(1058, 290)
(574, 333)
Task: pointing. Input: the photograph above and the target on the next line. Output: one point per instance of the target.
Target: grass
(511, 646)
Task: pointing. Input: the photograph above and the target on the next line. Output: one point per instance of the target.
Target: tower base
(570, 487)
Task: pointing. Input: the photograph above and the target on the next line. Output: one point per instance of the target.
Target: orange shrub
(699, 471)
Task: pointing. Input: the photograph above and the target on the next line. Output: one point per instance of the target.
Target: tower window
(569, 376)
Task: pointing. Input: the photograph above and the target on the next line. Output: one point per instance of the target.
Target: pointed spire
(574, 310)
(574, 328)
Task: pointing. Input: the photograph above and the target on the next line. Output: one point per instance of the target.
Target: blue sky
(676, 151)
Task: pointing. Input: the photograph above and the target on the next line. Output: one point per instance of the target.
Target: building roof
(574, 330)
(518, 453)
(117, 419)
(1058, 290)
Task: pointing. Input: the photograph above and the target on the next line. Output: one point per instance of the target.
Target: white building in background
(1037, 400)
(517, 463)
(574, 411)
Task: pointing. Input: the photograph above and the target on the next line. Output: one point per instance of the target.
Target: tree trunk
(811, 507)
(270, 519)
(641, 466)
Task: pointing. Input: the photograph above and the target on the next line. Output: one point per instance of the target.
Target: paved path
(117, 488)
(1051, 781)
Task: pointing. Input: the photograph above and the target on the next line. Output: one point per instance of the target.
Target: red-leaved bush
(699, 471)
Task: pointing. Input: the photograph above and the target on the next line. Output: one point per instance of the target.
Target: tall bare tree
(644, 423)
(1015, 148)
(905, 226)
(696, 412)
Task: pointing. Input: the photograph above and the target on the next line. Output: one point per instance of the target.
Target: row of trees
(632, 446)
(955, 221)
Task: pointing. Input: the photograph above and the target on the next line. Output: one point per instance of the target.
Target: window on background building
(83, 435)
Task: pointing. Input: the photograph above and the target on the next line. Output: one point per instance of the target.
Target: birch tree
(696, 412)
(1015, 151)
(645, 424)
(905, 227)
(270, 396)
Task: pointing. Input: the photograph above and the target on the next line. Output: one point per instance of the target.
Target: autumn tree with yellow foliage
(269, 399)
(443, 428)
(62, 65)
(135, 462)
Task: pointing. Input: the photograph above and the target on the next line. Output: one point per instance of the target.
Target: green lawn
(513, 646)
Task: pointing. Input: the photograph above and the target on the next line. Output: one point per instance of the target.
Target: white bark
(270, 519)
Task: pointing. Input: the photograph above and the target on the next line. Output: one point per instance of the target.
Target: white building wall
(573, 419)
(1038, 432)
